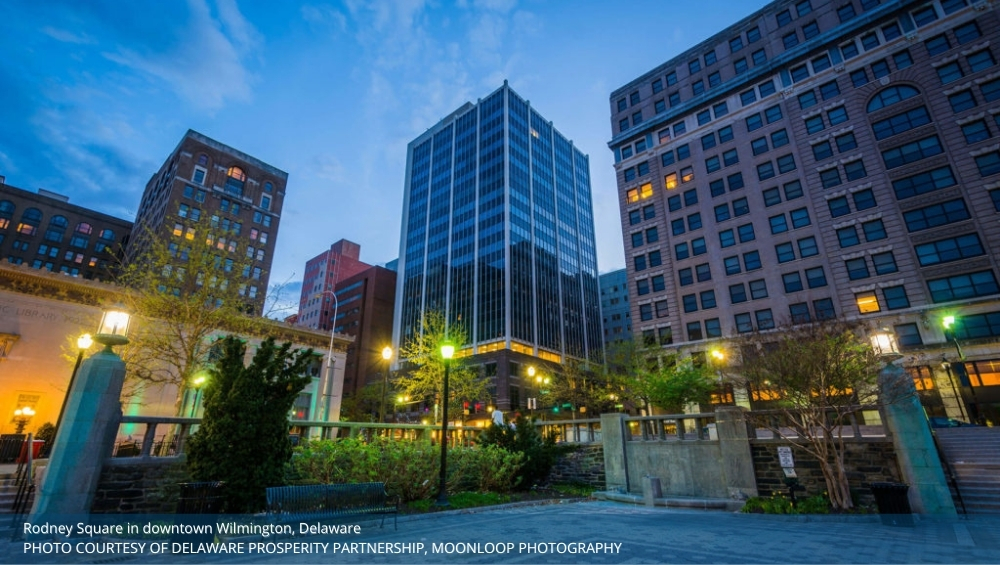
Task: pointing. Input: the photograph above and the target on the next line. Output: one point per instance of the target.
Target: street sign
(785, 457)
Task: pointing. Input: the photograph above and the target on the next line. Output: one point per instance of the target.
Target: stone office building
(819, 160)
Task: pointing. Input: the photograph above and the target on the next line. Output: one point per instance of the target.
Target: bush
(409, 469)
(539, 452)
(778, 504)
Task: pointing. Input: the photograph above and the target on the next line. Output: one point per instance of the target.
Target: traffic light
(555, 409)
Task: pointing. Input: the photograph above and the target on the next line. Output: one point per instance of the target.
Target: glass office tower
(498, 234)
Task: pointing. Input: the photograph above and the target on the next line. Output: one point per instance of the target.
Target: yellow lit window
(687, 174)
(646, 190)
(766, 394)
(4, 223)
(670, 181)
(633, 195)
(985, 373)
(521, 348)
(189, 234)
(237, 173)
(26, 229)
(178, 230)
(548, 356)
(93, 262)
(867, 302)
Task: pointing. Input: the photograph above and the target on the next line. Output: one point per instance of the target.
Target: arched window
(57, 228)
(234, 184)
(58, 222)
(107, 235)
(6, 212)
(268, 187)
(237, 173)
(29, 221)
(203, 160)
(84, 228)
(890, 96)
(32, 216)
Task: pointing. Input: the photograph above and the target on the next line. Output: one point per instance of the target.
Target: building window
(975, 132)
(784, 252)
(792, 282)
(799, 313)
(895, 297)
(989, 164)
(857, 269)
(924, 15)
(958, 287)
(950, 73)
(751, 261)
(908, 335)
(743, 323)
(867, 302)
(765, 320)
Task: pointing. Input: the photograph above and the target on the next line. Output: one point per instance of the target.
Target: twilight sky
(95, 94)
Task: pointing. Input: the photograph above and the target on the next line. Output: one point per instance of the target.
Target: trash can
(893, 504)
(197, 501)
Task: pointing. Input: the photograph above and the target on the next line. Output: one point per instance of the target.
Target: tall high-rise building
(322, 275)
(819, 160)
(616, 317)
(203, 179)
(498, 234)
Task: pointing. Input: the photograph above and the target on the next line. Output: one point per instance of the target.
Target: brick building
(322, 275)
(819, 160)
(43, 230)
(240, 194)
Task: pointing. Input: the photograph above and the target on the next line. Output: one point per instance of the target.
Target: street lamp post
(198, 382)
(447, 351)
(21, 418)
(83, 343)
(972, 408)
(328, 385)
(387, 355)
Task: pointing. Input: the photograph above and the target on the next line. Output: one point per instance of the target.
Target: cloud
(324, 16)
(205, 66)
(68, 36)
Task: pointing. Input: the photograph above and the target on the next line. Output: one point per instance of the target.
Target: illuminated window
(867, 302)
(687, 174)
(670, 181)
(178, 230)
(189, 234)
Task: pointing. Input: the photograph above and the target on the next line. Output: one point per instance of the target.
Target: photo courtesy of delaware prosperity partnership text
(237, 538)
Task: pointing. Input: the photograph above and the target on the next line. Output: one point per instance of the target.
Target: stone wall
(134, 486)
(868, 461)
(584, 465)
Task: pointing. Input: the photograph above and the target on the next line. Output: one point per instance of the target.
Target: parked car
(942, 422)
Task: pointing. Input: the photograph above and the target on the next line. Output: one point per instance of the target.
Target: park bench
(320, 502)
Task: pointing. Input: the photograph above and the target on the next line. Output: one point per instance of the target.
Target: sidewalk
(645, 535)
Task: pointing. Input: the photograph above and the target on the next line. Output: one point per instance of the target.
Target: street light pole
(387, 355)
(328, 385)
(447, 351)
(83, 343)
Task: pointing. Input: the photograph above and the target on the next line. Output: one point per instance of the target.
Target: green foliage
(540, 453)
(574, 489)
(243, 438)
(46, 432)
(672, 387)
(778, 504)
(485, 469)
(816, 376)
(185, 290)
(425, 376)
(408, 468)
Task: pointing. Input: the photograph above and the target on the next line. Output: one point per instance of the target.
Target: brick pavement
(646, 535)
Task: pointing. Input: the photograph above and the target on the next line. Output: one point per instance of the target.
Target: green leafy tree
(424, 375)
(363, 405)
(243, 439)
(188, 289)
(630, 365)
(673, 385)
(582, 386)
(816, 376)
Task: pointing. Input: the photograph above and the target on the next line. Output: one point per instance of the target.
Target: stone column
(915, 450)
(734, 450)
(85, 438)
(614, 435)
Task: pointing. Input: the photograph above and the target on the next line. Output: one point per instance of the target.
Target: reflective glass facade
(498, 232)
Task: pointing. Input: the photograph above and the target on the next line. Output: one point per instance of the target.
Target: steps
(8, 490)
(973, 454)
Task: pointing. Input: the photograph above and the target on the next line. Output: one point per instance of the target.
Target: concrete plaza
(645, 535)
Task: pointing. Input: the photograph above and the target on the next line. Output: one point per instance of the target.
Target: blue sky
(95, 94)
